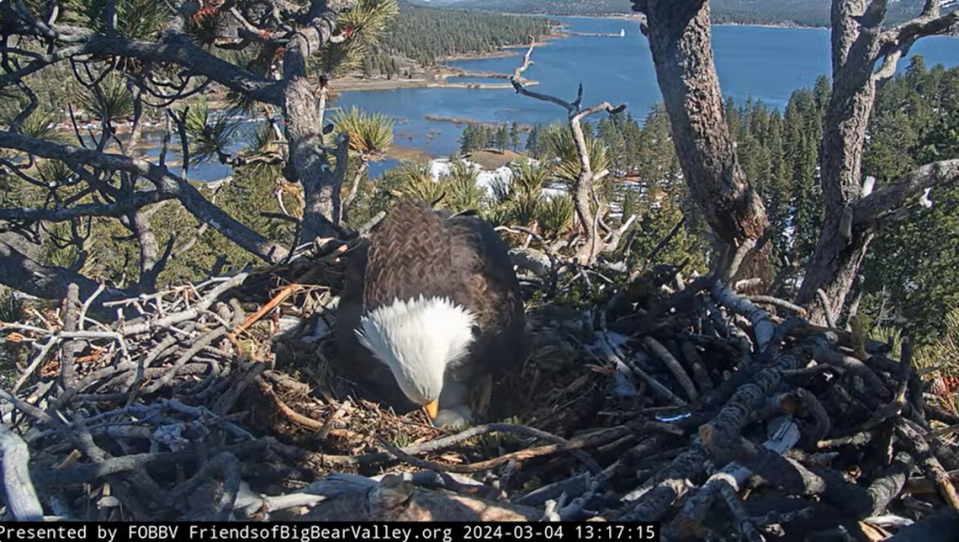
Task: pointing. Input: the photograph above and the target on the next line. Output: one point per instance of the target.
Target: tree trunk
(303, 110)
(679, 37)
(304, 133)
(138, 222)
(841, 248)
(582, 196)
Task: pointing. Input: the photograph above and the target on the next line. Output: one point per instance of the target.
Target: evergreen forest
(425, 35)
(814, 13)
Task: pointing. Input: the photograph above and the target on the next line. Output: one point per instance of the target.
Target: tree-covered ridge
(794, 12)
(426, 34)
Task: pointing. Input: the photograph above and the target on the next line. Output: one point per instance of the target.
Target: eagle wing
(490, 289)
(410, 253)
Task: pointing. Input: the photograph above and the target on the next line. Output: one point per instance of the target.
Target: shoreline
(637, 17)
(436, 76)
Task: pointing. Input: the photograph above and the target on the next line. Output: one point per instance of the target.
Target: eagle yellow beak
(432, 408)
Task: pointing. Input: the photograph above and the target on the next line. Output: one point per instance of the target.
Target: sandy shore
(369, 85)
(437, 77)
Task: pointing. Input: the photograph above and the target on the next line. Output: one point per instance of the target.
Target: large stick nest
(659, 400)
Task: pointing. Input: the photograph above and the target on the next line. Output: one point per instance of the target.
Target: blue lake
(762, 63)
(477, 80)
(758, 62)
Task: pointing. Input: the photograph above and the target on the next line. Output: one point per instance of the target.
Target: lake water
(763, 63)
(758, 62)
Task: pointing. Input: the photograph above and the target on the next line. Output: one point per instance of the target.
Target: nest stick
(657, 387)
(37, 361)
(746, 526)
(326, 427)
(695, 361)
(694, 511)
(763, 328)
(574, 447)
(73, 316)
(931, 467)
(285, 292)
(776, 302)
(673, 365)
(226, 465)
(17, 485)
(688, 464)
(826, 310)
(727, 426)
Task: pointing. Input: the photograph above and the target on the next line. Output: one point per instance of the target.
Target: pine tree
(532, 142)
(514, 140)
(501, 139)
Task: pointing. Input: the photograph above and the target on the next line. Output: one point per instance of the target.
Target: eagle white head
(419, 339)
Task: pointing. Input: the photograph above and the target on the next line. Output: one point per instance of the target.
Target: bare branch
(173, 48)
(895, 43)
(26, 275)
(516, 80)
(354, 186)
(120, 208)
(891, 198)
(584, 187)
(164, 181)
(927, 24)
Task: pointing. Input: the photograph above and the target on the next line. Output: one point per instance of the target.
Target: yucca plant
(135, 19)
(461, 191)
(110, 101)
(501, 192)
(41, 124)
(60, 254)
(414, 180)
(526, 192)
(555, 216)
(558, 141)
(11, 306)
(209, 135)
(54, 172)
(11, 352)
(371, 134)
(891, 335)
(943, 353)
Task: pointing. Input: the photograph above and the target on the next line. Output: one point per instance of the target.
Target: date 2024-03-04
(322, 531)
(560, 531)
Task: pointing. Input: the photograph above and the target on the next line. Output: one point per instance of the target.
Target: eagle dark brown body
(417, 251)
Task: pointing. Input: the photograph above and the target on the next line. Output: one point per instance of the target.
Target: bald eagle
(431, 312)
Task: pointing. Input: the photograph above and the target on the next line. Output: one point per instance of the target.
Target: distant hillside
(421, 35)
(791, 12)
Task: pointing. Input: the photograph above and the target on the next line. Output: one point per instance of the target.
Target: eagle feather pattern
(417, 251)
